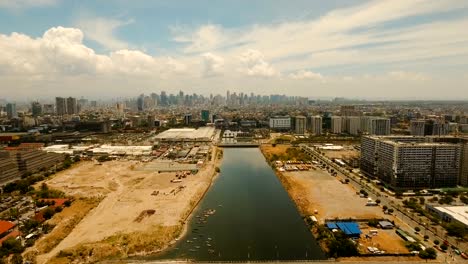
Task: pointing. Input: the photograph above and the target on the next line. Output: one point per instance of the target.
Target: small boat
(208, 245)
(192, 250)
(209, 238)
(189, 241)
(197, 247)
(211, 251)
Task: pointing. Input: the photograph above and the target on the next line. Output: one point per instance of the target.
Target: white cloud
(213, 65)
(303, 74)
(61, 52)
(203, 39)
(102, 31)
(408, 76)
(255, 64)
(15, 4)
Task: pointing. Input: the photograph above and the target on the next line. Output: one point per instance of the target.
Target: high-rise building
(164, 99)
(300, 125)
(316, 125)
(280, 122)
(187, 119)
(11, 110)
(412, 162)
(417, 127)
(61, 105)
(336, 125)
(36, 109)
(72, 106)
(379, 126)
(353, 125)
(48, 109)
(205, 115)
(141, 103)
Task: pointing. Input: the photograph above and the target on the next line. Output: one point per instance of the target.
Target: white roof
(187, 133)
(459, 213)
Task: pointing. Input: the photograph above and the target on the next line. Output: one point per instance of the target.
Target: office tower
(120, 109)
(61, 105)
(141, 103)
(336, 124)
(300, 125)
(48, 109)
(36, 109)
(205, 115)
(188, 119)
(155, 98)
(164, 99)
(316, 125)
(412, 162)
(280, 122)
(11, 110)
(72, 106)
(93, 104)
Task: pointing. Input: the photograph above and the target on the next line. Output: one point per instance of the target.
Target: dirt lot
(386, 240)
(317, 190)
(133, 202)
(346, 153)
(278, 149)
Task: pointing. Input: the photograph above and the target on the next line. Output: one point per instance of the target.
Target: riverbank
(141, 212)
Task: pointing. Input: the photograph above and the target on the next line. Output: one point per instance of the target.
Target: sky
(384, 49)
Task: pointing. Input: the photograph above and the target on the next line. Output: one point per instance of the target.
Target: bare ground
(115, 226)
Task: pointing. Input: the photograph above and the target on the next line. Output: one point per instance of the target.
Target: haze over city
(395, 49)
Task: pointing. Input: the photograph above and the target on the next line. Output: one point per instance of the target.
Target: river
(246, 215)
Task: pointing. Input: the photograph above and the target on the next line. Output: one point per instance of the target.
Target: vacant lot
(134, 203)
(386, 240)
(317, 190)
(346, 153)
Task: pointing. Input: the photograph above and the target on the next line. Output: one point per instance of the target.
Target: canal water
(246, 215)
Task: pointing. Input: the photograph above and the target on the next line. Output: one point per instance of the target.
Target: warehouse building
(202, 134)
(451, 214)
(8, 168)
(413, 162)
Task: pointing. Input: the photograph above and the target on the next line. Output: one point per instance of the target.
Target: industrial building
(202, 134)
(406, 162)
(451, 214)
(8, 168)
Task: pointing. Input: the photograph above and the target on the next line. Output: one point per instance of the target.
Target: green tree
(17, 259)
(443, 247)
(417, 229)
(428, 253)
(48, 213)
(436, 242)
(456, 229)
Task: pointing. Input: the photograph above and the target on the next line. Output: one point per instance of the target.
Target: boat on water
(189, 241)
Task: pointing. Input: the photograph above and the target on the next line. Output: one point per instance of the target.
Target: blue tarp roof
(349, 228)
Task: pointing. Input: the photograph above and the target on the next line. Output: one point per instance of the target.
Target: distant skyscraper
(205, 115)
(48, 109)
(188, 119)
(61, 105)
(36, 109)
(11, 110)
(164, 99)
(141, 103)
(72, 106)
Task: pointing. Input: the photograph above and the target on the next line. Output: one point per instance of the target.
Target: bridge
(238, 145)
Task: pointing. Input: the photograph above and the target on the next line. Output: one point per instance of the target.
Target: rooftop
(460, 213)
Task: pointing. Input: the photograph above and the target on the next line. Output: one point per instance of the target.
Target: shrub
(428, 253)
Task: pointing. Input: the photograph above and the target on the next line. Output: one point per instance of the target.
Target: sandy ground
(341, 154)
(386, 240)
(317, 190)
(127, 193)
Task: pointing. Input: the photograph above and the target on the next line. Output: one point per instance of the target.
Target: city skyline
(361, 49)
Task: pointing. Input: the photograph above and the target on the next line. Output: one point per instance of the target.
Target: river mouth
(246, 215)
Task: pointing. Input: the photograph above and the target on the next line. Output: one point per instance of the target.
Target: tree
(48, 213)
(456, 229)
(67, 203)
(417, 229)
(426, 237)
(421, 200)
(378, 201)
(428, 253)
(436, 242)
(17, 259)
(443, 247)
(385, 207)
(390, 211)
(12, 245)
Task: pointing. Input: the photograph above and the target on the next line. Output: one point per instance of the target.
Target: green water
(254, 220)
